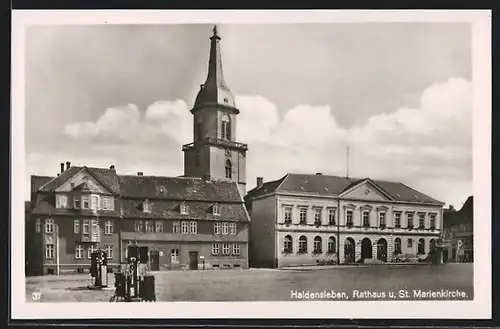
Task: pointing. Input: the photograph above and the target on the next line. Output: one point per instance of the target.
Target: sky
(399, 95)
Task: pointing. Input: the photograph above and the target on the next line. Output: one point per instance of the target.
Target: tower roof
(214, 91)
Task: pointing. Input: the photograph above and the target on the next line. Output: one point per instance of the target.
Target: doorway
(445, 255)
(193, 260)
(366, 248)
(382, 250)
(349, 250)
(154, 260)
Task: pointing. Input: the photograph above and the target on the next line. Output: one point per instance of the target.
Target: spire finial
(215, 30)
(216, 34)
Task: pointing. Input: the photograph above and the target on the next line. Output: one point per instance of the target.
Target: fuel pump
(99, 269)
(132, 283)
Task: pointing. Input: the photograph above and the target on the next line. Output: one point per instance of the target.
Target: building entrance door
(154, 260)
(193, 260)
(349, 250)
(366, 248)
(382, 250)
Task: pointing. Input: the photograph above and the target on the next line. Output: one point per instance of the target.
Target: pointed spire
(215, 90)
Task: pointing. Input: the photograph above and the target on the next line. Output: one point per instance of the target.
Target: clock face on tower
(228, 152)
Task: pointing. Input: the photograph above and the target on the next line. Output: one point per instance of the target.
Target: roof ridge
(58, 176)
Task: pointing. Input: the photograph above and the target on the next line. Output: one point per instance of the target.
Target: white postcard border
(479, 308)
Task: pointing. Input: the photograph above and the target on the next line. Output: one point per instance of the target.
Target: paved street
(372, 282)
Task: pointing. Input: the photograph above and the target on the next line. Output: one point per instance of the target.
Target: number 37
(36, 295)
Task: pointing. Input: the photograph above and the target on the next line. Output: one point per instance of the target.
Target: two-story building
(309, 219)
(195, 221)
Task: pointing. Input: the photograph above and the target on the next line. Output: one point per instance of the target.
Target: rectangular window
(410, 243)
(215, 209)
(216, 228)
(149, 226)
(433, 221)
(183, 208)
(86, 226)
(317, 216)
(146, 206)
(108, 249)
(303, 215)
(85, 202)
(349, 221)
(77, 202)
(106, 203)
(177, 227)
(90, 251)
(95, 202)
(138, 226)
(79, 252)
(366, 218)
(174, 256)
(193, 227)
(49, 225)
(410, 220)
(38, 225)
(225, 249)
(232, 228)
(331, 216)
(49, 251)
(159, 226)
(288, 215)
(397, 219)
(225, 228)
(108, 227)
(381, 218)
(215, 249)
(76, 226)
(421, 220)
(236, 249)
(185, 227)
(63, 201)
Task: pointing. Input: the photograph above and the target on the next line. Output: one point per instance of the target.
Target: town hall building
(304, 219)
(195, 221)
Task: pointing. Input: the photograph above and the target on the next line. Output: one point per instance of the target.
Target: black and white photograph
(303, 164)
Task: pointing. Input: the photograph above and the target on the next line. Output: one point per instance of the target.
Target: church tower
(214, 154)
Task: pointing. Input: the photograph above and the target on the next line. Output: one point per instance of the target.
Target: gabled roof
(106, 177)
(334, 185)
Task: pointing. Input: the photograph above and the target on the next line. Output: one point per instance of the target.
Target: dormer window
(216, 209)
(146, 206)
(183, 208)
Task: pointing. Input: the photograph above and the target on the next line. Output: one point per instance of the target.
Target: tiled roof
(462, 216)
(36, 183)
(164, 194)
(335, 185)
(178, 188)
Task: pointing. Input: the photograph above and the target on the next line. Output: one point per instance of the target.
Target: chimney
(68, 165)
(112, 167)
(260, 181)
(452, 208)
(201, 86)
(62, 167)
(319, 174)
(140, 173)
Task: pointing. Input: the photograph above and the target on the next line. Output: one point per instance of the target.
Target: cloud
(427, 147)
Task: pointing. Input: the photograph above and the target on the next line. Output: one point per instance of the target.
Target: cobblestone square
(371, 282)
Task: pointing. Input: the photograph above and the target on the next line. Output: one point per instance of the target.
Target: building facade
(197, 221)
(458, 231)
(319, 219)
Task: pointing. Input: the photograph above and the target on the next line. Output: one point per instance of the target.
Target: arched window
(332, 246)
(288, 245)
(421, 246)
(225, 127)
(317, 245)
(229, 169)
(397, 246)
(302, 244)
